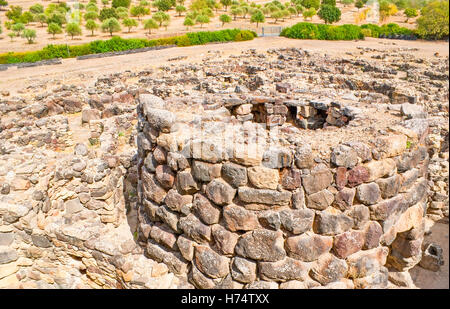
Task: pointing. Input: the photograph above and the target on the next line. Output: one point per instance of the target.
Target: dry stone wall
(234, 211)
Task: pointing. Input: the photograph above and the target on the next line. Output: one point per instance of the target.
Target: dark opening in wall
(304, 116)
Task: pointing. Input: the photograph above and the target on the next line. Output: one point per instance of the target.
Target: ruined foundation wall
(279, 215)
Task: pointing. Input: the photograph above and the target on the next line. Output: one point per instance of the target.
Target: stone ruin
(240, 197)
(274, 169)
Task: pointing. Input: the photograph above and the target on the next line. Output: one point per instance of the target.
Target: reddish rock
(165, 176)
(372, 235)
(164, 236)
(341, 177)
(186, 183)
(329, 269)
(308, 248)
(151, 188)
(348, 243)
(186, 247)
(316, 181)
(291, 179)
(239, 219)
(205, 210)
(344, 198)
(225, 240)
(357, 176)
(176, 201)
(160, 155)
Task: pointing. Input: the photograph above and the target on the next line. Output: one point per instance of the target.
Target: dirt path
(80, 71)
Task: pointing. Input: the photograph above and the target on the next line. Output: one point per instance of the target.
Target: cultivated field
(175, 27)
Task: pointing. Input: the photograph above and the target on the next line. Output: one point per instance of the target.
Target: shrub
(139, 11)
(56, 18)
(92, 26)
(29, 34)
(106, 13)
(224, 18)
(160, 17)
(311, 4)
(433, 22)
(257, 17)
(90, 15)
(120, 3)
(323, 32)
(129, 23)
(202, 19)
(329, 2)
(163, 5)
(111, 25)
(329, 14)
(410, 13)
(37, 8)
(244, 35)
(54, 29)
(73, 29)
(359, 4)
(150, 24)
(180, 9)
(188, 22)
(119, 44)
(309, 13)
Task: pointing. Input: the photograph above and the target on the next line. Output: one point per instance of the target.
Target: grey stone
(304, 157)
(161, 120)
(7, 255)
(6, 239)
(297, 221)
(210, 263)
(368, 194)
(243, 270)
(234, 174)
(264, 196)
(345, 156)
(205, 210)
(261, 245)
(329, 269)
(173, 260)
(169, 217)
(195, 229)
(81, 149)
(270, 219)
(277, 158)
(286, 269)
(41, 241)
(332, 224)
(220, 192)
(412, 111)
(320, 200)
(73, 206)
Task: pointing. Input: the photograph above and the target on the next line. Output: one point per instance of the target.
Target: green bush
(386, 30)
(117, 43)
(323, 32)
